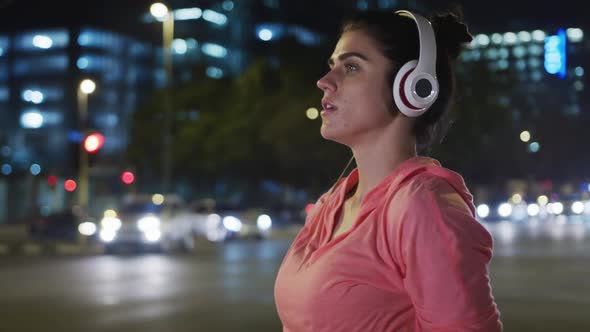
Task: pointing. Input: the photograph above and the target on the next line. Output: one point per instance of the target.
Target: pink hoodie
(414, 260)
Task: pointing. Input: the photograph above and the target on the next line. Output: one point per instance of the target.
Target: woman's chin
(330, 134)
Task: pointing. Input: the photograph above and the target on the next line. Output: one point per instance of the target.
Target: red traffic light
(127, 177)
(70, 185)
(93, 142)
(52, 180)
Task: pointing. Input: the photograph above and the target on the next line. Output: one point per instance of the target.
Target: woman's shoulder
(432, 189)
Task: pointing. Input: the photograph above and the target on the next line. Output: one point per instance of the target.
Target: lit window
(539, 35)
(214, 72)
(519, 51)
(41, 65)
(482, 40)
(265, 34)
(386, 4)
(535, 50)
(214, 50)
(140, 50)
(33, 96)
(491, 54)
(39, 41)
(4, 94)
(4, 44)
(534, 62)
(82, 62)
(510, 38)
(362, 5)
(187, 14)
(107, 41)
(43, 42)
(575, 35)
(497, 38)
(503, 53)
(304, 36)
(179, 46)
(524, 36)
(228, 5)
(31, 120)
(214, 17)
(502, 64)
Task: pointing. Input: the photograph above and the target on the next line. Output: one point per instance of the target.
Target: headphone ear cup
(399, 96)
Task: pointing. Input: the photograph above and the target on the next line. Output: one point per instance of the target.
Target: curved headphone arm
(427, 56)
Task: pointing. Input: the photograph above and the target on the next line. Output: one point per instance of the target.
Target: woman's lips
(328, 106)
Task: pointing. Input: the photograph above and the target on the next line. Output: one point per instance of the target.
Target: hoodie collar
(401, 173)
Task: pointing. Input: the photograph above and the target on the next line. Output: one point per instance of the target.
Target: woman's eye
(350, 68)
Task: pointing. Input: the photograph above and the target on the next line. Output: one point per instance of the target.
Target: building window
(214, 72)
(42, 40)
(140, 50)
(387, 4)
(519, 51)
(362, 4)
(3, 45)
(101, 39)
(110, 67)
(214, 50)
(4, 94)
(40, 65)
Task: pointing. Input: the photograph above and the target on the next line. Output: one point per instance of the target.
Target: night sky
(122, 15)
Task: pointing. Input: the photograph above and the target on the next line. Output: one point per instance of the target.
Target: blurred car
(147, 222)
(241, 222)
(221, 222)
(63, 225)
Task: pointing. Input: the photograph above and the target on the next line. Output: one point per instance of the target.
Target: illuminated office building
(40, 71)
(548, 65)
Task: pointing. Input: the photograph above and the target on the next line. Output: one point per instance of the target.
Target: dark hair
(398, 37)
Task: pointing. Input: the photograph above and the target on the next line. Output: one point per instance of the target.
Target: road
(539, 279)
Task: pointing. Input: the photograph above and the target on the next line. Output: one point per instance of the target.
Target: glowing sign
(555, 55)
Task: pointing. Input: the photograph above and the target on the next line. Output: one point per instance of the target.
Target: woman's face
(357, 97)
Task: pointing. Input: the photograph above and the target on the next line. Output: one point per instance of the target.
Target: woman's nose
(326, 83)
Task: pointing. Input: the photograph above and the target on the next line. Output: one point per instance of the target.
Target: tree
(481, 141)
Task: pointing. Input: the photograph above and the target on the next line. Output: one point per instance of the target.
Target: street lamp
(161, 13)
(86, 87)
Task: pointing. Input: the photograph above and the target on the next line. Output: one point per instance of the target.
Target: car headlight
(505, 210)
(87, 228)
(148, 223)
(152, 235)
(107, 235)
(112, 223)
(232, 224)
(264, 222)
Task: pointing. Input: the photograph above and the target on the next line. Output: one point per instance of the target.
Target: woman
(395, 245)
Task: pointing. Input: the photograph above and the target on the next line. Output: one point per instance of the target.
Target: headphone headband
(427, 55)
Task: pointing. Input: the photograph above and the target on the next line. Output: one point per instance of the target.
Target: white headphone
(415, 87)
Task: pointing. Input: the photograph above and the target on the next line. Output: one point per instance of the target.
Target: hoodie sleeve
(445, 253)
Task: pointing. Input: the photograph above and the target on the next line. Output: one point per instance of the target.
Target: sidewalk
(14, 240)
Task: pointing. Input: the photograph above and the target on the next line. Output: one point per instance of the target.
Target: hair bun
(451, 33)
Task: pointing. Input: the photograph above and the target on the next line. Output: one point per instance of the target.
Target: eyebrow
(347, 55)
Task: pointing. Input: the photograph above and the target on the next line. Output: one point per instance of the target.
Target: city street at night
(158, 158)
(538, 274)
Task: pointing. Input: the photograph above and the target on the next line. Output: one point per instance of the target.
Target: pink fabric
(414, 260)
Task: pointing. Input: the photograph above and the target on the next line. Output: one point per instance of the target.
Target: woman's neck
(375, 162)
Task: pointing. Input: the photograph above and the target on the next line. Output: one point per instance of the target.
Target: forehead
(356, 41)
